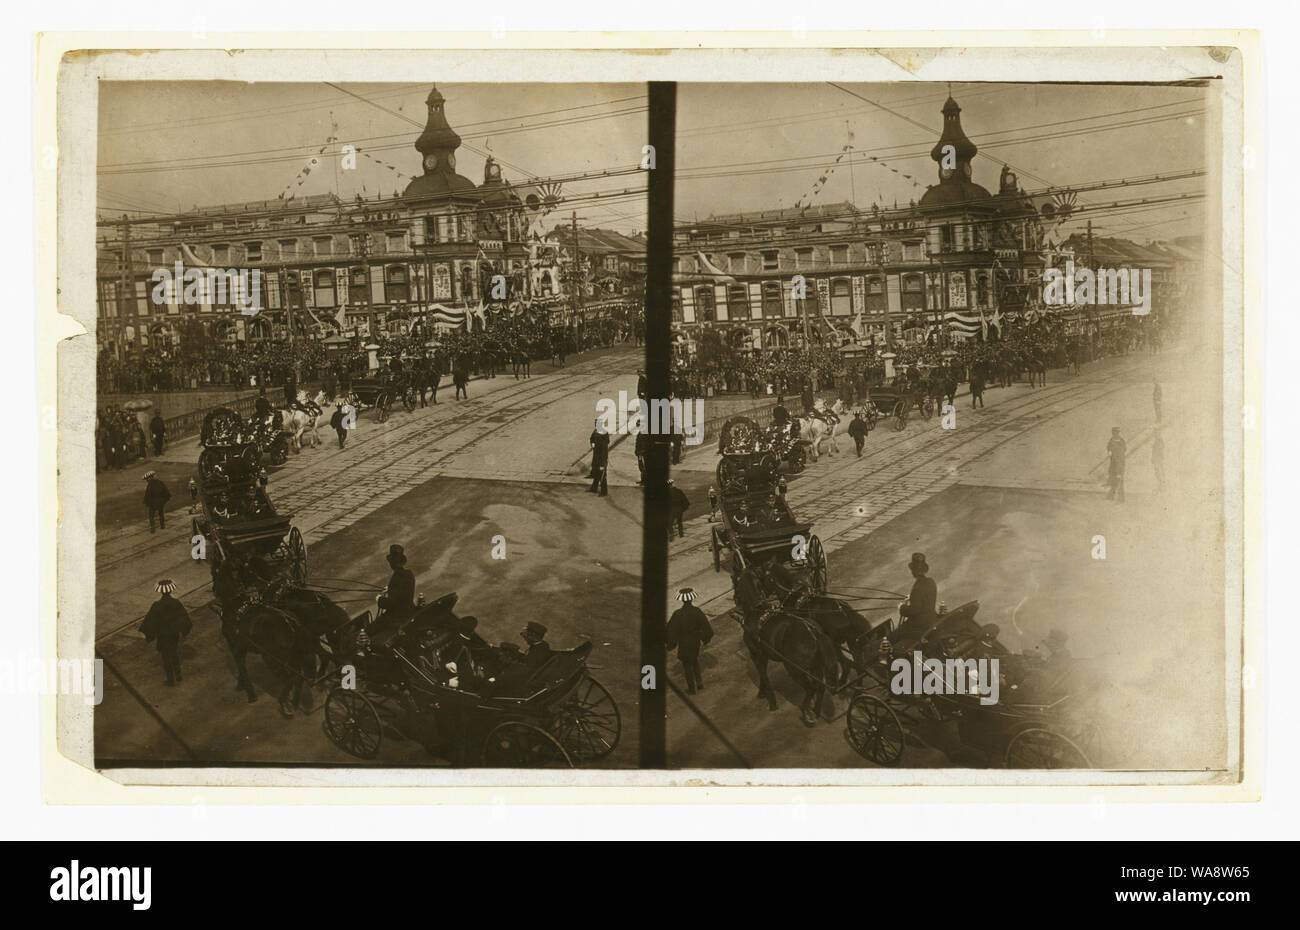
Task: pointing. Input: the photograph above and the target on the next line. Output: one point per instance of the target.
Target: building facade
(835, 273)
(324, 266)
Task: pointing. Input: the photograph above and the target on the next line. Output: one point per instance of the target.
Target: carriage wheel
(1038, 748)
(818, 570)
(381, 405)
(873, 729)
(352, 722)
(278, 453)
(588, 724)
(730, 475)
(208, 463)
(872, 416)
(900, 415)
(927, 407)
(297, 557)
(408, 400)
(518, 745)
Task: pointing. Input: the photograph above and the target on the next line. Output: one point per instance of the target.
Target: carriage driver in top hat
(398, 602)
(918, 611)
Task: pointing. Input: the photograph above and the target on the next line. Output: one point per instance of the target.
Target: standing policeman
(688, 630)
(166, 624)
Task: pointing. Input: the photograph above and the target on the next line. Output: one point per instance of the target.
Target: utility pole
(364, 242)
(577, 272)
(127, 296)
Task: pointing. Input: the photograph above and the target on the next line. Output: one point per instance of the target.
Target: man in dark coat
(599, 461)
(166, 624)
(677, 506)
(858, 431)
(398, 602)
(808, 398)
(780, 416)
(336, 424)
(688, 630)
(261, 406)
(1117, 449)
(919, 610)
(642, 455)
(159, 431)
(977, 386)
(641, 384)
(156, 496)
(460, 377)
(539, 651)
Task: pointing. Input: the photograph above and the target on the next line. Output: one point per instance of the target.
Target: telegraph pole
(577, 272)
(127, 297)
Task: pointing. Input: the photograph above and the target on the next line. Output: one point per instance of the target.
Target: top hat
(686, 595)
(166, 586)
(395, 552)
(535, 628)
(918, 561)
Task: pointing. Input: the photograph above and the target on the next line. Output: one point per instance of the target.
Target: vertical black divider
(658, 324)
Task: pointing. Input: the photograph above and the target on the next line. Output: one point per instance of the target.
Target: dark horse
(291, 628)
(772, 633)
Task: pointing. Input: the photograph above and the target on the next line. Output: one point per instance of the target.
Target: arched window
(705, 307)
(772, 305)
(841, 297)
(395, 286)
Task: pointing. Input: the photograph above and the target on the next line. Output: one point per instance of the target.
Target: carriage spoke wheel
(518, 745)
(1037, 748)
(818, 570)
(352, 723)
(873, 730)
(297, 557)
(731, 476)
(587, 724)
(408, 400)
(382, 406)
(900, 415)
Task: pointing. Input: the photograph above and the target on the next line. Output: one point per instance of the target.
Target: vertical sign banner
(273, 290)
(859, 293)
(341, 285)
(956, 290)
(824, 295)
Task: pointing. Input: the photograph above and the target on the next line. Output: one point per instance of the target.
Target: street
(1007, 508)
(444, 482)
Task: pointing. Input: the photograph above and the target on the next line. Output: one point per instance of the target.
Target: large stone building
(888, 274)
(358, 266)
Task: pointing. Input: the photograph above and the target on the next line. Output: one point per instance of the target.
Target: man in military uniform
(688, 630)
(166, 624)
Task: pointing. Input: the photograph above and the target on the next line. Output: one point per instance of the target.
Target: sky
(165, 146)
(808, 125)
(740, 147)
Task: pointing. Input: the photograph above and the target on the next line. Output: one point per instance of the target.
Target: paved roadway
(443, 482)
(1006, 507)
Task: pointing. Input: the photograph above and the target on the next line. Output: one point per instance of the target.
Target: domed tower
(953, 154)
(437, 147)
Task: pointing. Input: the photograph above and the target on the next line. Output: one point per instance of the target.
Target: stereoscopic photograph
(919, 370)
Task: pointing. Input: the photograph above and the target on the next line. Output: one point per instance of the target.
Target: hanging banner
(273, 290)
(957, 289)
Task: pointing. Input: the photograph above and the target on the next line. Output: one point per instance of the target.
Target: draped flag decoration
(446, 316)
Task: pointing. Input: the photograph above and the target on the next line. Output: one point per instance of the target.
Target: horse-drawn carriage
(383, 393)
(235, 517)
(895, 403)
(756, 524)
(431, 677)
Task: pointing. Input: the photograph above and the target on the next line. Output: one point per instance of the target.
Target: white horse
(299, 424)
(814, 432)
(845, 413)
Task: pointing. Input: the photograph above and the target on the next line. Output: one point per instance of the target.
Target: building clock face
(945, 173)
(430, 162)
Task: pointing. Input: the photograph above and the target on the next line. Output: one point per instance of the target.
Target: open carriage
(896, 403)
(756, 522)
(1041, 719)
(432, 678)
(235, 517)
(384, 393)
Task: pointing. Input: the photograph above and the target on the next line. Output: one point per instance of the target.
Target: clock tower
(953, 152)
(437, 147)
